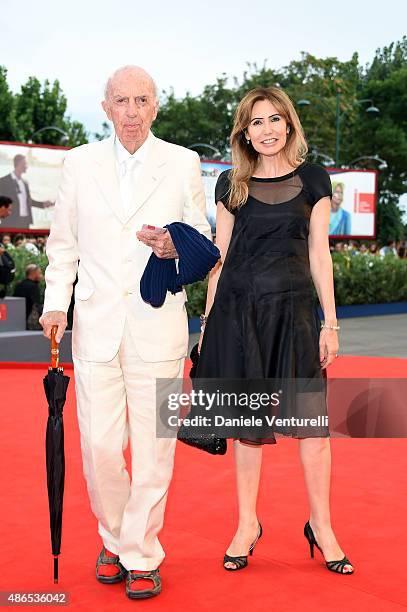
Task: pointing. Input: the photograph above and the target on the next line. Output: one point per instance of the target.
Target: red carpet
(369, 500)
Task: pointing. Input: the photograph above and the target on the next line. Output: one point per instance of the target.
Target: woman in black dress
(272, 224)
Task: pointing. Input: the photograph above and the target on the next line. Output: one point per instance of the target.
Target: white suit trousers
(130, 513)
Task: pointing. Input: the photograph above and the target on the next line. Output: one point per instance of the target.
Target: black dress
(264, 322)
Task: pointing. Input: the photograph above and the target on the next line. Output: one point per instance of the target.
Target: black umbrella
(55, 385)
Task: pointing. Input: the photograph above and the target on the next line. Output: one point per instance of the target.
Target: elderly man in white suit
(121, 344)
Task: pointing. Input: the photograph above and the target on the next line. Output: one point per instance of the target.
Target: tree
(389, 223)
(37, 106)
(208, 117)
(317, 81)
(385, 82)
(7, 118)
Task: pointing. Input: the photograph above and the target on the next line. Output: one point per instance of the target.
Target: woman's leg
(248, 466)
(315, 456)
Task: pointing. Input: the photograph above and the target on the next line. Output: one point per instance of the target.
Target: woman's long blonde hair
(244, 156)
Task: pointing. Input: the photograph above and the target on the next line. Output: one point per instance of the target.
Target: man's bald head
(126, 72)
(131, 103)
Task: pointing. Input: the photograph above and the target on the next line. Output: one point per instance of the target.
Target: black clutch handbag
(207, 442)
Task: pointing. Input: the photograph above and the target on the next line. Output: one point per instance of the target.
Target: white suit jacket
(90, 227)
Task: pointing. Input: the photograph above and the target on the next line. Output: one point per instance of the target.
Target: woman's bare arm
(224, 226)
(322, 275)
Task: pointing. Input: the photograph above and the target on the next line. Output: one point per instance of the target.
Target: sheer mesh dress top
(264, 322)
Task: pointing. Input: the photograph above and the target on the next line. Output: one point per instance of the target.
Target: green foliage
(7, 118)
(359, 279)
(385, 133)
(389, 59)
(205, 118)
(389, 222)
(318, 80)
(208, 117)
(37, 106)
(369, 279)
(196, 298)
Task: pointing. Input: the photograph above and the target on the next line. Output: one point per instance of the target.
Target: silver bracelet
(202, 320)
(334, 327)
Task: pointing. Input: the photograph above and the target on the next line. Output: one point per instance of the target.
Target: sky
(184, 45)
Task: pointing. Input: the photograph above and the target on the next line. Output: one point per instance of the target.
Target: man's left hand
(161, 243)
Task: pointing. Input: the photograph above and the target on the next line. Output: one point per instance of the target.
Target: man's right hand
(51, 318)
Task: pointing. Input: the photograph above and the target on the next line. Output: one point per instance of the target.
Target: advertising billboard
(210, 172)
(353, 204)
(30, 174)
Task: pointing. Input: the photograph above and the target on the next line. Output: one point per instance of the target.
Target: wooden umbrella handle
(54, 348)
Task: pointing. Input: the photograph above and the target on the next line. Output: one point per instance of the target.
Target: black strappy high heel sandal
(241, 562)
(334, 566)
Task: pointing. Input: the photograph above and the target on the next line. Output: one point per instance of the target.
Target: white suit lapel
(106, 176)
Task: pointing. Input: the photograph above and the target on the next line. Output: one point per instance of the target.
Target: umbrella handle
(55, 570)
(54, 348)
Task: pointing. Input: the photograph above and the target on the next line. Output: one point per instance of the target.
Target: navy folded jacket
(197, 256)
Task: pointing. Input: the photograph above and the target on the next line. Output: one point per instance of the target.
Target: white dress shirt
(22, 195)
(129, 169)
